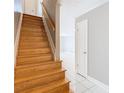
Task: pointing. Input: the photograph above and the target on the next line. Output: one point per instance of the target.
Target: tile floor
(78, 83)
(82, 85)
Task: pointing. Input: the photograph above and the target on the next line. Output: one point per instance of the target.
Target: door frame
(77, 49)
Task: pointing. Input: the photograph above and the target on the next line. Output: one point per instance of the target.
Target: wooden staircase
(35, 70)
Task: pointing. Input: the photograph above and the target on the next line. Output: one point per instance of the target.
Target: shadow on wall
(18, 9)
(50, 6)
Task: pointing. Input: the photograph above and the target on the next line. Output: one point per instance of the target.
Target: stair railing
(49, 28)
(50, 23)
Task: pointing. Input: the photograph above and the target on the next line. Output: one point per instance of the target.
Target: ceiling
(79, 7)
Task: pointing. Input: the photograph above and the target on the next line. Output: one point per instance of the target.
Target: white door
(81, 47)
(30, 7)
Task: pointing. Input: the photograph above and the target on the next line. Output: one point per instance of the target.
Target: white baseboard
(49, 37)
(100, 84)
(17, 38)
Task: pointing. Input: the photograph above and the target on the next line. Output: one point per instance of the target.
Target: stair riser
(24, 28)
(31, 29)
(35, 52)
(31, 25)
(32, 39)
(20, 72)
(40, 81)
(32, 34)
(25, 61)
(28, 36)
(32, 22)
(32, 18)
(30, 56)
(39, 64)
(60, 89)
(33, 45)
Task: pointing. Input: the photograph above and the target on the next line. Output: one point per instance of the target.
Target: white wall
(98, 42)
(70, 10)
(36, 6)
(18, 5)
(67, 29)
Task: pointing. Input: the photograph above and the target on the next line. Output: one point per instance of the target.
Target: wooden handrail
(45, 13)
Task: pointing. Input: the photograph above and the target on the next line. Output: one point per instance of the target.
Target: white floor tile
(73, 82)
(79, 78)
(97, 89)
(78, 83)
(78, 88)
(87, 91)
(87, 83)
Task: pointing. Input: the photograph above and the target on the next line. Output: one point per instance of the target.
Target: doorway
(81, 47)
(33, 7)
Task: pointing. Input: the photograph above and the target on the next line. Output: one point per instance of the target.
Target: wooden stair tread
(31, 62)
(34, 45)
(33, 51)
(26, 43)
(31, 21)
(50, 86)
(40, 81)
(34, 59)
(37, 75)
(33, 35)
(33, 38)
(34, 55)
(38, 67)
(31, 29)
(32, 18)
(32, 25)
(32, 32)
(36, 64)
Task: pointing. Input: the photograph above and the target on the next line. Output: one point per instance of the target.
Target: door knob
(85, 52)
